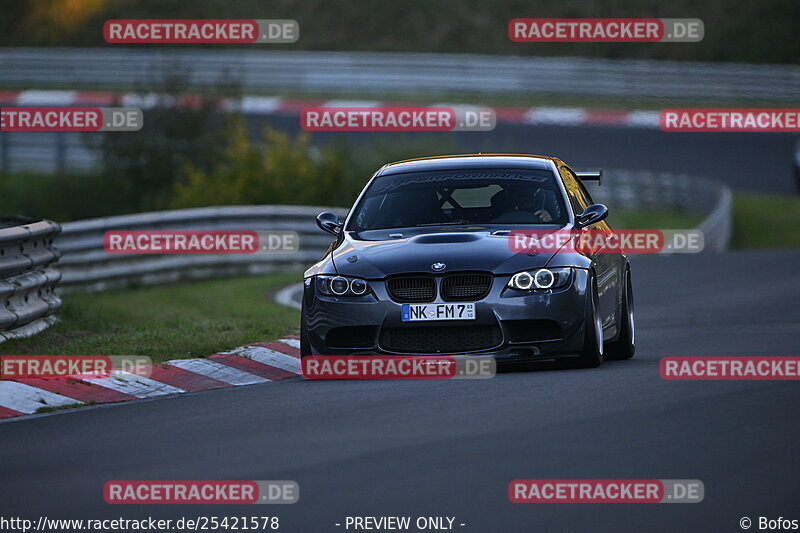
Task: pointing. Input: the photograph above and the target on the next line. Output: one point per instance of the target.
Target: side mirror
(593, 214)
(330, 223)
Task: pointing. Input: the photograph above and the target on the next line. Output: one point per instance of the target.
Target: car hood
(374, 255)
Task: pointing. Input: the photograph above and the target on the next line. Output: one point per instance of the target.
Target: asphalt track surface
(450, 448)
(755, 162)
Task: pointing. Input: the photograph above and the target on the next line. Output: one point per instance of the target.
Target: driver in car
(517, 204)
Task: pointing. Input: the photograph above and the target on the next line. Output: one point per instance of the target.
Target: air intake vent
(351, 337)
(440, 339)
(412, 288)
(466, 287)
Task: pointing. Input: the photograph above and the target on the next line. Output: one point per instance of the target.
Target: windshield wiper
(451, 223)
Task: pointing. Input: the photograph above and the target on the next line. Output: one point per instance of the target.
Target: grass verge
(759, 221)
(655, 219)
(765, 221)
(194, 319)
(54, 408)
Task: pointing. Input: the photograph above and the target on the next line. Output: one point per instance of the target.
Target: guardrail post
(5, 156)
(27, 278)
(61, 151)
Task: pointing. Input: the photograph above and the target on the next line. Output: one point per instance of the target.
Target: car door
(605, 262)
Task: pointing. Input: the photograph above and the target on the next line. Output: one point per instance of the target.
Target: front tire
(591, 354)
(305, 346)
(625, 346)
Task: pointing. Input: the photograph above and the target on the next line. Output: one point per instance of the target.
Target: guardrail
(395, 73)
(27, 281)
(85, 264)
(641, 190)
(47, 153)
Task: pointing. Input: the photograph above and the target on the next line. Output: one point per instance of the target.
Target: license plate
(413, 312)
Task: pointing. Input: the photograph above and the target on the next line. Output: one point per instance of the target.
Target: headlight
(341, 286)
(540, 279)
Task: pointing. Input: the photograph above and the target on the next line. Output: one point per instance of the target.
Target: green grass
(765, 221)
(194, 319)
(759, 221)
(654, 219)
(54, 408)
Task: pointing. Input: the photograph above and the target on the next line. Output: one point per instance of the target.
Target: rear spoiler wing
(595, 175)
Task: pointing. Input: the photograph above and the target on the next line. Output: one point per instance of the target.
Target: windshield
(473, 197)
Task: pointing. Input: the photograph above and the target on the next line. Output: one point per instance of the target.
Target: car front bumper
(508, 324)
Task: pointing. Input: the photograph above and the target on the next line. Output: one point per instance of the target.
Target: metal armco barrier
(641, 190)
(85, 264)
(27, 281)
(395, 73)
